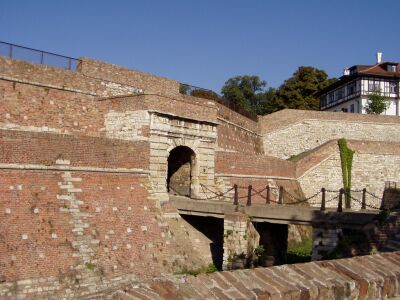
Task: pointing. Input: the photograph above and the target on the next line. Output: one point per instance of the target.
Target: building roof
(379, 70)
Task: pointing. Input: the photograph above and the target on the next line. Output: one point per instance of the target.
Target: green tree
(299, 91)
(245, 91)
(376, 103)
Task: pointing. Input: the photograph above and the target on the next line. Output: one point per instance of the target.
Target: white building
(350, 93)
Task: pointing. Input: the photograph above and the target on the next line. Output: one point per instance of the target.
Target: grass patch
(211, 268)
(299, 253)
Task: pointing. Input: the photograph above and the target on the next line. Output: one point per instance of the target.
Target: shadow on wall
(213, 229)
(180, 163)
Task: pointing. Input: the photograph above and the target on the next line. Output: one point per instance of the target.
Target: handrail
(67, 62)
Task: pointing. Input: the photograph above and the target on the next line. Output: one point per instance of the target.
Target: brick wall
(237, 163)
(31, 148)
(367, 277)
(234, 138)
(92, 77)
(259, 171)
(145, 81)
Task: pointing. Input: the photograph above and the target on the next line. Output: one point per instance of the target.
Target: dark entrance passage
(180, 168)
(274, 238)
(213, 229)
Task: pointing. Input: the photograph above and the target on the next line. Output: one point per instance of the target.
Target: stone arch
(182, 169)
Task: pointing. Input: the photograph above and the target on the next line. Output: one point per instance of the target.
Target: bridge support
(325, 239)
(240, 240)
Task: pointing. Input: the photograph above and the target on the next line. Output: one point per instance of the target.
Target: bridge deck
(273, 213)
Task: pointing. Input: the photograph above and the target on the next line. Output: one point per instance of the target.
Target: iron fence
(38, 56)
(196, 91)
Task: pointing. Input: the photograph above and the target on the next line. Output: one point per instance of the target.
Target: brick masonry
(366, 277)
(83, 165)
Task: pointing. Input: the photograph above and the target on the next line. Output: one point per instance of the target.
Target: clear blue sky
(206, 42)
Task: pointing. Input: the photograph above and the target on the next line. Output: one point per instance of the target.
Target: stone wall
(290, 132)
(169, 132)
(374, 163)
(240, 241)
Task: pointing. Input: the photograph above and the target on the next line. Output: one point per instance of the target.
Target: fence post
(268, 200)
(236, 196)
(364, 199)
(323, 199)
(249, 195)
(280, 201)
(340, 204)
(348, 198)
(11, 51)
(41, 57)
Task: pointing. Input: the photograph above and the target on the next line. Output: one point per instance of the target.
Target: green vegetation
(211, 268)
(183, 88)
(245, 91)
(298, 92)
(204, 94)
(346, 159)
(300, 252)
(89, 265)
(377, 103)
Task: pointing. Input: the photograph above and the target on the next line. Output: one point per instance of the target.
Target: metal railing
(196, 91)
(38, 56)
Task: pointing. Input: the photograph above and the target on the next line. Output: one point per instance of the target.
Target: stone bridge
(245, 227)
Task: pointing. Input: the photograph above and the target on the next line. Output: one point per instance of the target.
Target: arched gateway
(181, 171)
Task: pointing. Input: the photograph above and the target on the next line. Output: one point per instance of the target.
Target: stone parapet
(367, 277)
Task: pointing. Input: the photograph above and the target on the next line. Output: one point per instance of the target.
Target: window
(373, 86)
(323, 101)
(351, 89)
(391, 68)
(393, 87)
(339, 94)
(331, 97)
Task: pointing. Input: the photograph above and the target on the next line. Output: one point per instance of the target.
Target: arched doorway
(181, 163)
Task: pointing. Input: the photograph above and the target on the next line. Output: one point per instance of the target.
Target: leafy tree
(299, 91)
(376, 103)
(245, 91)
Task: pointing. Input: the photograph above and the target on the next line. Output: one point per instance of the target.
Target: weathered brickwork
(366, 277)
(92, 77)
(44, 149)
(234, 138)
(84, 166)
